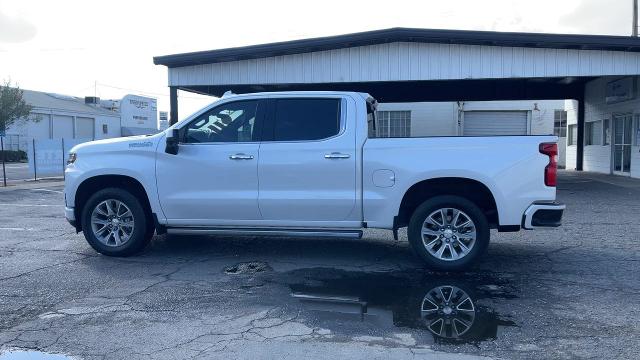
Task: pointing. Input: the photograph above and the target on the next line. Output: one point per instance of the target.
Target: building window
(560, 123)
(606, 132)
(105, 130)
(394, 124)
(593, 132)
(637, 130)
(573, 135)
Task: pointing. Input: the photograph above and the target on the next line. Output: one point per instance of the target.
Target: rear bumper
(543, 215)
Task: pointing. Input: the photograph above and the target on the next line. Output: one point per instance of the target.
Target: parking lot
(571, 292)
(16, 172)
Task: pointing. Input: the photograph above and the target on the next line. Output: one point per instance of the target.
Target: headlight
(72, 158)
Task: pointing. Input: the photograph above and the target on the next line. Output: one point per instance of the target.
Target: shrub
(13, 155)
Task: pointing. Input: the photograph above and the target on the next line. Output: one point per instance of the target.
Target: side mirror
(173, 139)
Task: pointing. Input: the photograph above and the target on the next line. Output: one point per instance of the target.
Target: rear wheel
(114, 223)
(448, 232)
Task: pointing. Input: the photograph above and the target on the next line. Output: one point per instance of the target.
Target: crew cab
(307, 164)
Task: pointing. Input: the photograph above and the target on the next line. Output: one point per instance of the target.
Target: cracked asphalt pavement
(571, 292)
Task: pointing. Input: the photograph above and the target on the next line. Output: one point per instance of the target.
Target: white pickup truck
(306, 164)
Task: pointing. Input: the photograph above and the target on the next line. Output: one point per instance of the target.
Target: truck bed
(511, 167)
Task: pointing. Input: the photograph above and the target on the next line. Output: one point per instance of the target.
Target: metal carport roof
(435, 36)
(403, 64)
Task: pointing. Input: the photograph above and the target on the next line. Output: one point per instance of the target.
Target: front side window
(306, 119)
(231, 122)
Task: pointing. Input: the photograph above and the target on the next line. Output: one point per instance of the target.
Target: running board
(309, 233)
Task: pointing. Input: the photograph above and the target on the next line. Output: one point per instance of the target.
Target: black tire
(142, 231)
(448, 201)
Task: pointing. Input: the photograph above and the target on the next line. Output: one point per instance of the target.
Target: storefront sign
(139, 112)
(620, 90)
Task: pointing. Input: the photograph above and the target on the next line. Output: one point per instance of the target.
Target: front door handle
(337, 155)
(240, 157)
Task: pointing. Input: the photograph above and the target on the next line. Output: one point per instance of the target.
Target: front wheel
(114, 223)
(448, 232)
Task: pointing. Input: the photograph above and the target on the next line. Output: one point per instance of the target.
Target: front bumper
(543, 215)
(70, 215)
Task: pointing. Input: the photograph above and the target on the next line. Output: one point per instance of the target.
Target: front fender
(137, 164)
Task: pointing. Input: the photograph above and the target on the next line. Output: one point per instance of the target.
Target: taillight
(551, 170)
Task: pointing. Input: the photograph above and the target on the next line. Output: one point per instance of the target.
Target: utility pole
(634, 31)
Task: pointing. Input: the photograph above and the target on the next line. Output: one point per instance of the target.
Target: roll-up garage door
(62, 127)
(84, 128)
(40, 129)
(488, 123)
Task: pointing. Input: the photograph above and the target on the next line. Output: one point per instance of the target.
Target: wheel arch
(95, 183)
(470, 189)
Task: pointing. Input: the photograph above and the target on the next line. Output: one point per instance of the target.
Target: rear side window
(306, 119)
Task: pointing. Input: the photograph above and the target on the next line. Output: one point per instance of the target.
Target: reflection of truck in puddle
(446, 306)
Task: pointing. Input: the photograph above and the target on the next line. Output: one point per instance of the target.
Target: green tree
(13, 108)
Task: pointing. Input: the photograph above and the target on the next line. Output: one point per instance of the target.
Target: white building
(61, 116)
(69, 117)
(612, 127)
(474, 118)
(138, 114)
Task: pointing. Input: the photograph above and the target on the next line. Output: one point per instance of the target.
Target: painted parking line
(16, 229)
(47, 190)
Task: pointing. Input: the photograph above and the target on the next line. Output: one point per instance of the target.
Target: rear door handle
(240, 157)
(337, 155)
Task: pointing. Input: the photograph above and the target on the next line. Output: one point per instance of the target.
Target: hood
(140, 142)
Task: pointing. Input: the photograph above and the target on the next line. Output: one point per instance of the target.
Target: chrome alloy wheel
(448, 311)
(112, 222)
(448, 234)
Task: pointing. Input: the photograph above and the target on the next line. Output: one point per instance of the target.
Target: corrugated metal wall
(410, 61)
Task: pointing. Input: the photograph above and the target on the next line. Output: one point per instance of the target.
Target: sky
(86, 48)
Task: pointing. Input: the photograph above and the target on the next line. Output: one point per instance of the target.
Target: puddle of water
(444, 305)
(30, 355)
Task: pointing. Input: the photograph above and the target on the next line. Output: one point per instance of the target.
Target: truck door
(307, 165)
(214, 177)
